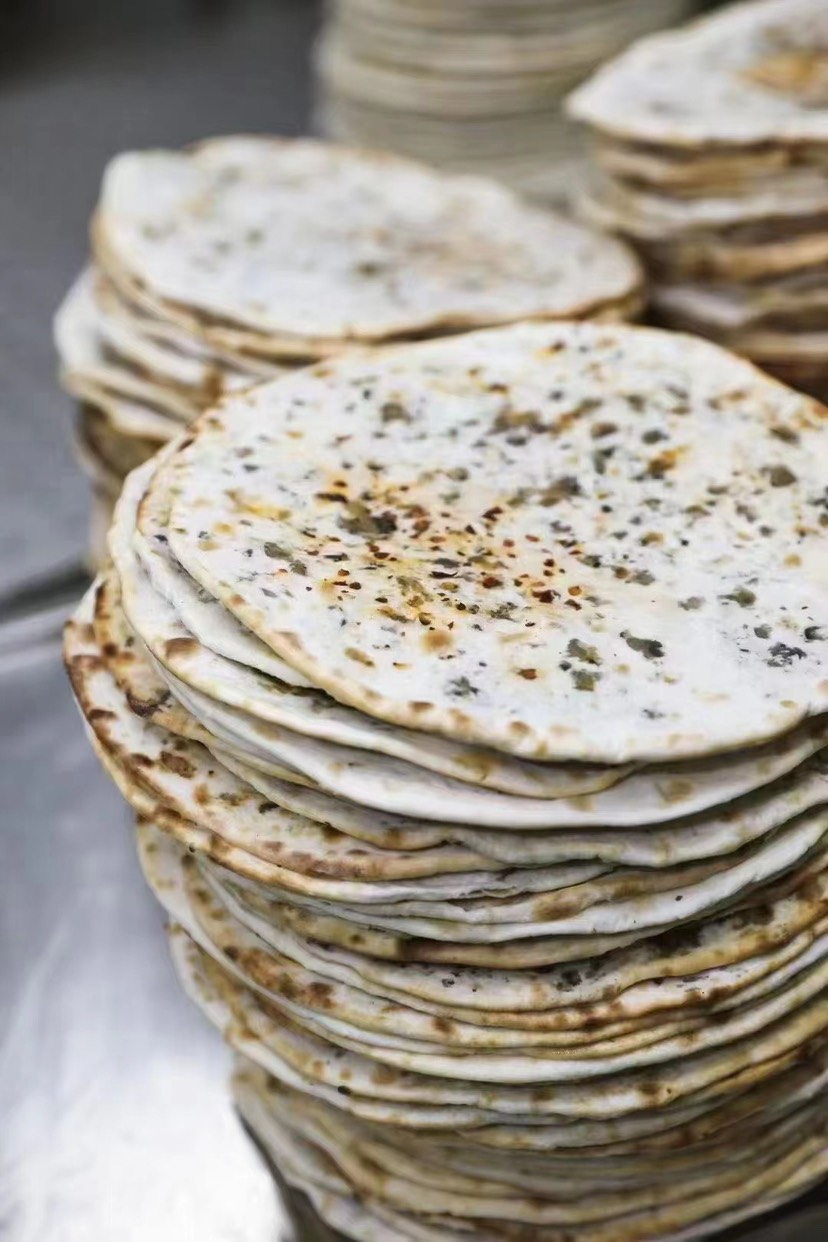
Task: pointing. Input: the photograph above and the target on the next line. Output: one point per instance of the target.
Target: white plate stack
(474, 85)
(471, 697)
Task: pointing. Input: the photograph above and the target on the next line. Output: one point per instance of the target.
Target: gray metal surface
(67, 104)
(116, 1122)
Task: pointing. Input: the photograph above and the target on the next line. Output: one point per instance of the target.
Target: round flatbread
(299, 240)
(754, 73)
(670, 603)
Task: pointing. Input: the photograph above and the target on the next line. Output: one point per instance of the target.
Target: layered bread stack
(475, 85)
(471, 696)
(711, 155)
(231, 262)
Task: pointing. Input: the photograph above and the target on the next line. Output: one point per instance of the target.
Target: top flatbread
(754, 73)
(326, 243)
(571, 542)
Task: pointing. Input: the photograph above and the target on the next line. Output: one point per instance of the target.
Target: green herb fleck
(277, 552)
(461, 688)
(779, 476)
(393, 412)
(782, 656)
(583, 651)
(741, 596)
(567, 485)
(650, 648)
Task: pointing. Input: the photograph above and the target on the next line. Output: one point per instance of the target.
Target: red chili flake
(529, 674)
(491, 581)
(545, 597)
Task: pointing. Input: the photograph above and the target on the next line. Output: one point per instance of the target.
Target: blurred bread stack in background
(474, 85)
(711, 156)
(229, 263)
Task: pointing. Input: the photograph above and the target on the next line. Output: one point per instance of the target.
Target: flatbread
(754, 73)
(225, 229)
(366, 1025)
(350, 1081)
(649, 669)
(87, 362)
(313, 712)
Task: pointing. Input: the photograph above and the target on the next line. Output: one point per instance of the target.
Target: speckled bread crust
(580, 452)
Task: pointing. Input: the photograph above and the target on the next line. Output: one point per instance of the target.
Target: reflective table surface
(116, 1121)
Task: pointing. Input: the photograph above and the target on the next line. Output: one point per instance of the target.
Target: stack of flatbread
(475, 85)
(711, 155)
(472, 699)
(231, 262)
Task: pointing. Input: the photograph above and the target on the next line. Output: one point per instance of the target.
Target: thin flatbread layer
(258, 706)
(353, 1019)
(294, 1056)
(629, 1008)
(752, 74)
(317, 1171)
(86, 358)
(767, 1025)
(389, 248)
(679, 644)
(310, 711)
(187, 780)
